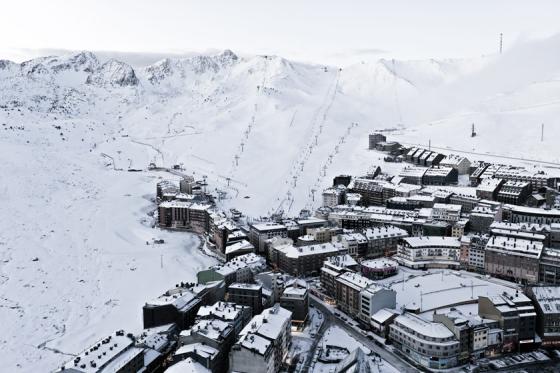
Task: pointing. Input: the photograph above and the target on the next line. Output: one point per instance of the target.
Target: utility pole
(501, 42)
(161, 260)
(430, 144)
(236, 160)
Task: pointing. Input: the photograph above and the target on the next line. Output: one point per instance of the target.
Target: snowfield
(74, 264)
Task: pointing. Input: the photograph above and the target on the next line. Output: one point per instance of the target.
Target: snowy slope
(71, 126)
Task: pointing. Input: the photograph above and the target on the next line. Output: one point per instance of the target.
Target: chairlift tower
(501, 42)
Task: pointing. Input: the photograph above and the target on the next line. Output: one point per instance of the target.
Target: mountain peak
(114, 72)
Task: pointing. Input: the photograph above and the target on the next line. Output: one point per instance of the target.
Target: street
(331, 320)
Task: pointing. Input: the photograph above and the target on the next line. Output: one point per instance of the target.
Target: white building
(260, 232)
(429, 252)
(446, 212)
(263, 343)
(458, 162)
(373, 299)
(333, 196)
(430, 344)
(361, 297)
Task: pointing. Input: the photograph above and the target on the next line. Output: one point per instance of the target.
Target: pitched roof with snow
(187, 366)
(423, 327)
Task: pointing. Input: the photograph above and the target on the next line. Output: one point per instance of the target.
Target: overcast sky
(326, 31)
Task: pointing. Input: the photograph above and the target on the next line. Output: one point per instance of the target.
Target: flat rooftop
(443, 288)
(515, 245)
(432, 241)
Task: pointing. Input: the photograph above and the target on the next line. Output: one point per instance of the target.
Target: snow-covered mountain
(74, 223)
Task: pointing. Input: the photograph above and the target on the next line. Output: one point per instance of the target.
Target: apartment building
(430, 344)
(512, 258)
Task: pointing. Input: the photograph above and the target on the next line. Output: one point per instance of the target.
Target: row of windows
(425, 351)
(412, 332)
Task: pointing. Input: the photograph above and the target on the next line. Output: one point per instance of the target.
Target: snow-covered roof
(103, 352)
(534, 211)
(268, 226)
(243, 285)
(489, 185)
(460, 314)
(154, 341)
(453, 159)
(432, 241)
(121, 360)
(355, 280)
(187, 366)
(379, 263)
(521, 234)
(383, 315)
(352, 237)
(423, 327)
(439, 171)
(421, 197)
(211, 328)
(548, 298)
(185, 204)
(340, 261)
(413, 172)
(524, 227)
(250, 260)
(179, 298)
(242, 245)
(384, 232)
(311, 221)
(269, 324)
(221, 310)
(292, 251)
(294, 291)
(255, 342)
(198, 348)
(439, 289)
(447, 207)
(515, 245)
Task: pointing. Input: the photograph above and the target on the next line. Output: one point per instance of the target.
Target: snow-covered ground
(278, 129)
(74, 264)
